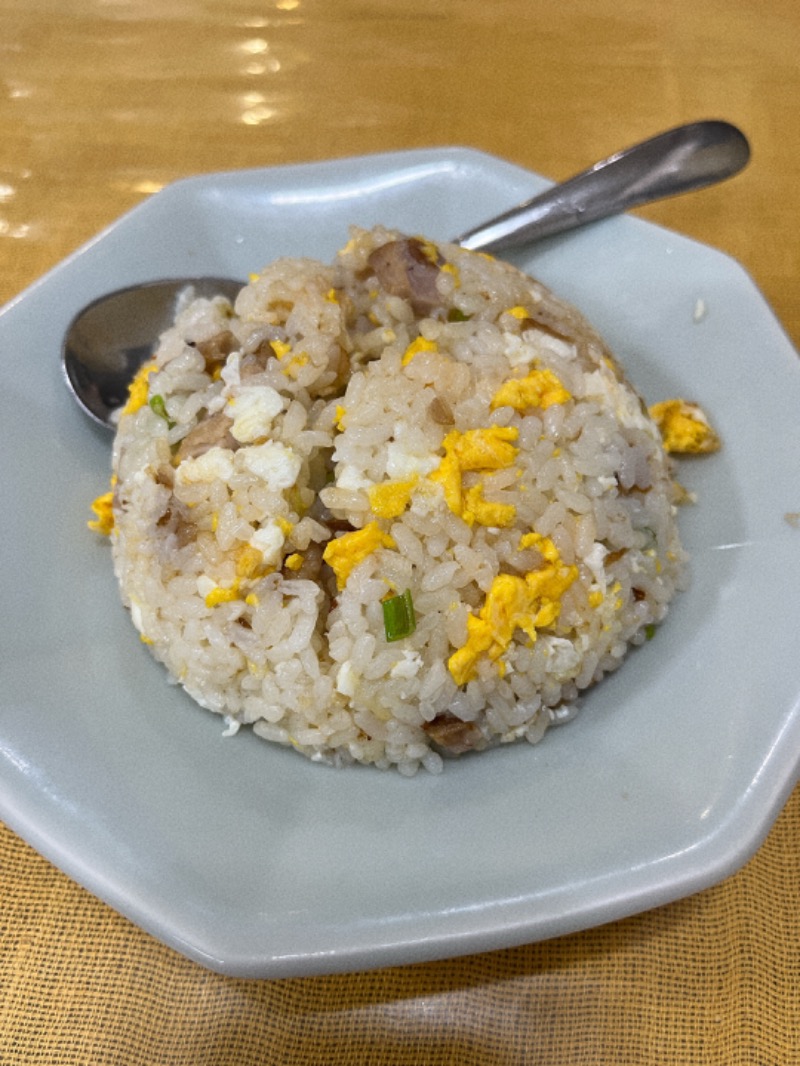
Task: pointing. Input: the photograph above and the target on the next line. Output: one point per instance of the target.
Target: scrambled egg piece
(407, 457)
(280, 348)
(294, 365)
(528, 603)
(267, 542)
(483, 450)
(685, 428)
(103, 508)
(390, 498)
(249, 561)
(484, 512)
(276, 464)
(252, 411)
(215, 463)
(220, 595)
(138, 388)
(345, 553)
(417, 346)
(214, 594)
(540, 388)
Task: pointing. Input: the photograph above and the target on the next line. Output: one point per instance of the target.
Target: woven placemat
(713, 979)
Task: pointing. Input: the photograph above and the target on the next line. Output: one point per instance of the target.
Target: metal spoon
(107, 342)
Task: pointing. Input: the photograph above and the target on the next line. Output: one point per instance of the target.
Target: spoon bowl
(108, 341)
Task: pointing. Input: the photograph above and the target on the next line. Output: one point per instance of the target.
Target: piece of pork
(404, 269)
(212, 432)
(454, 736)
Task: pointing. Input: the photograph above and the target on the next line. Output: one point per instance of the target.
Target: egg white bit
(700, 310)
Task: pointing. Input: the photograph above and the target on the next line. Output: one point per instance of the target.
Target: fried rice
(387, 510)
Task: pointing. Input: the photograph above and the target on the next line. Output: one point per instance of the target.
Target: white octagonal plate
(255, 862)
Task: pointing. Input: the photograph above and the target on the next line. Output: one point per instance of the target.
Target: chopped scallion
(649, 631)
(158, 406)
(398, 616)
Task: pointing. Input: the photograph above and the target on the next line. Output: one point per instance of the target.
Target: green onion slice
(398, 616)
(160, 408)
(158, 405)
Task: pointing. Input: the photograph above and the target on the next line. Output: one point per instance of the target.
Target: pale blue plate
(251, 860)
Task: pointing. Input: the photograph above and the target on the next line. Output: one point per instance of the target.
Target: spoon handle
(679, 160)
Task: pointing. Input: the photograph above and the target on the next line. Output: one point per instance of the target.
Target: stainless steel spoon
(107, 342)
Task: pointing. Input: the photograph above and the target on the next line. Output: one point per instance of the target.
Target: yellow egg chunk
(484, 512)
(103, 508)
(137, 390)
(220, 595)
(295, 364)
(345, 553)
(390, 498)
(487, 448)
(528, 603)
(684, 427)
(543, 545)
(280, 348)
(248, 561)
(541, 388)
(448, 475)
(417, 346)
(484, 449)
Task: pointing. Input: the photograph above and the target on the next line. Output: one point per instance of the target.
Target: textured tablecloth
(101, 104)
(713, 979)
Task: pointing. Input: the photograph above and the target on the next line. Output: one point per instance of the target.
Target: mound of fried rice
(387, 510)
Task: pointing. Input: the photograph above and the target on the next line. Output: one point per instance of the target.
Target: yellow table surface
(102, 102)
